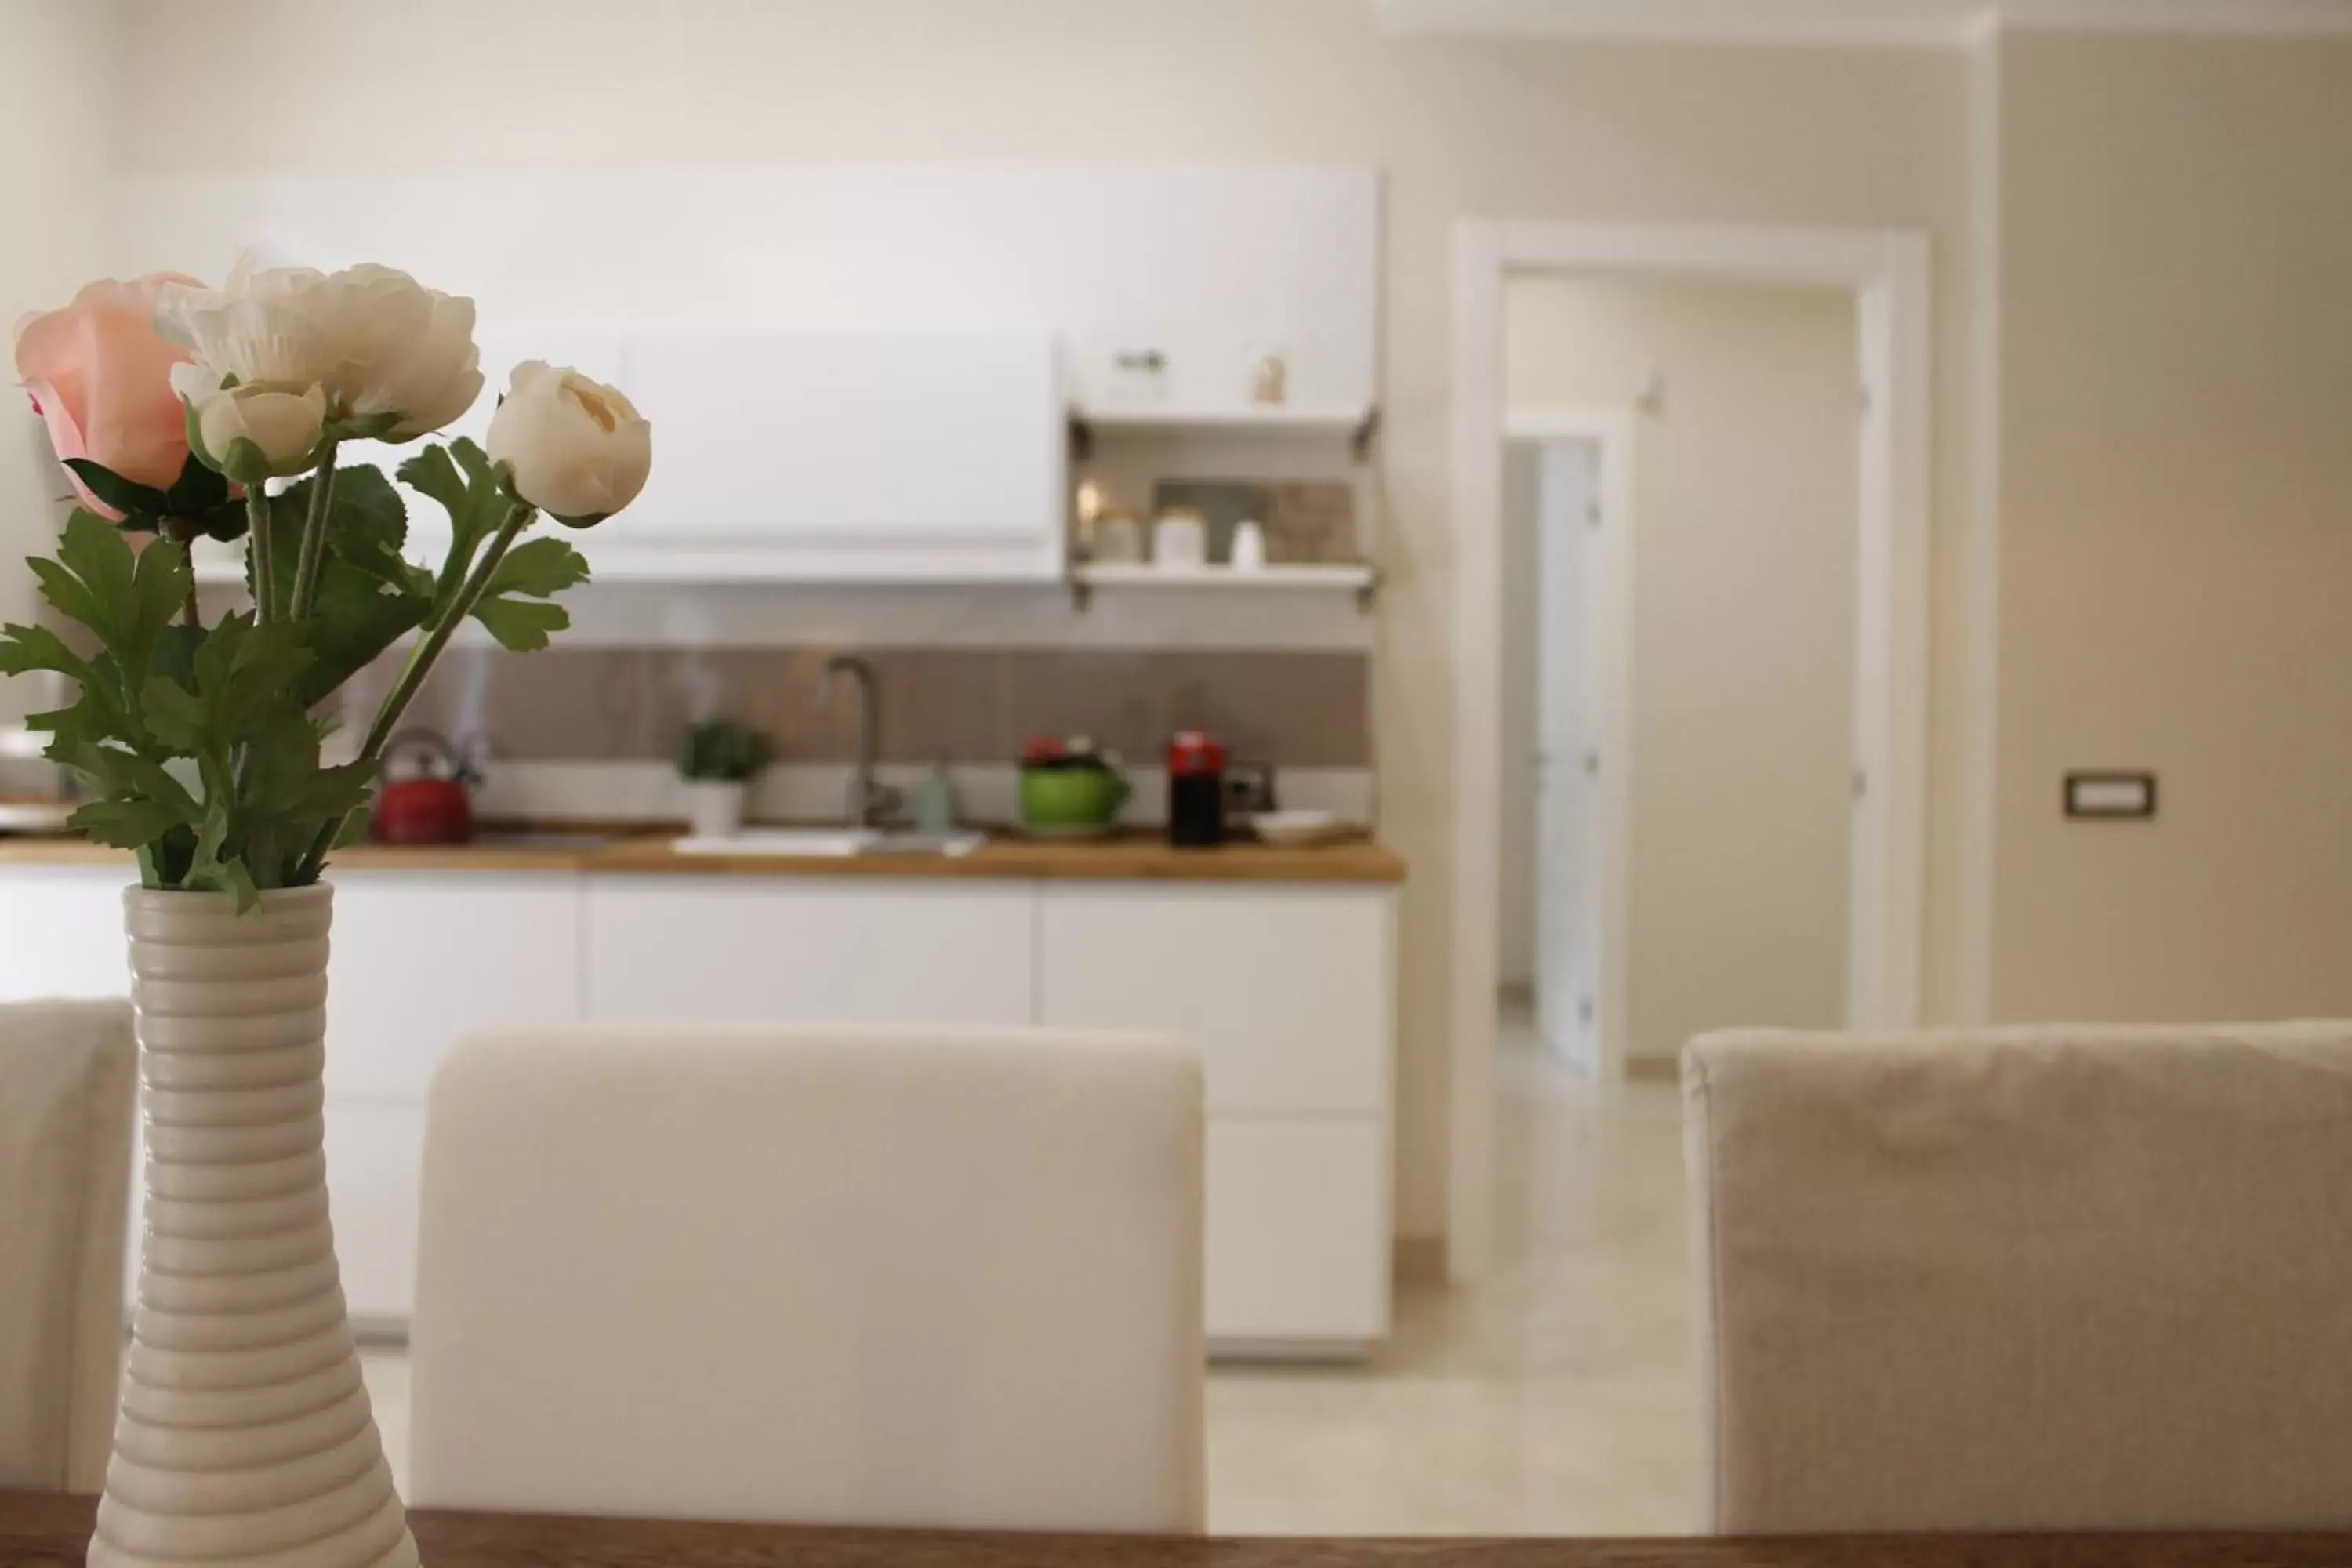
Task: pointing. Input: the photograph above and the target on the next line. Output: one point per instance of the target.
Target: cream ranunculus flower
(255, 430)
(267, 325)
(407, 350)
(379, 342)
(575, 447)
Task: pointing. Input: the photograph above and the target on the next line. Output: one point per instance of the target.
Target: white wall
(2176, 243)
(1745, 528)
(59, 114)
(1596, 131)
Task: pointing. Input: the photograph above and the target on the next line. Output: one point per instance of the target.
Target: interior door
(1567, 756)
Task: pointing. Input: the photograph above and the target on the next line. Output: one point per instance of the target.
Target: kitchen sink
(822, 842)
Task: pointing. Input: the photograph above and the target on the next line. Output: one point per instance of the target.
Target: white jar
(1180, 539)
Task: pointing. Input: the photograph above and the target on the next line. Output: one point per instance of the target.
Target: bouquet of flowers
(182, 412)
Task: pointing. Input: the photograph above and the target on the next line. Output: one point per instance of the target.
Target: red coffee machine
(1196, 790)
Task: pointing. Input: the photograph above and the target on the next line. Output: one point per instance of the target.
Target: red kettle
(424, 796)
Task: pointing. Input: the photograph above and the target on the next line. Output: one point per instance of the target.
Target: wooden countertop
(1137, 859)
(54, 1530)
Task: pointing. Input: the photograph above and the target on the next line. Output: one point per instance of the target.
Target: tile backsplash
(1293, 708)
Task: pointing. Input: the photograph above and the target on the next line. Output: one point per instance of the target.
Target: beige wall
(1619, 133)
(59, 112)
(1745, 528)
(2177, 525)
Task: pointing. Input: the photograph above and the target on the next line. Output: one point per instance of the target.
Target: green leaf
(536, 569)
(197, 491)
(115, 772)
(523, 625)
(364, 427)
(226, 521)
(279, 763)
(26, 649)
(175, 654)
(125, 824)
(226, 876)
(354, 830)
(472, 490)
(126, 600)
(540, 568)
(244, 674)
(334, 793)
(160, 587)
(126, 496)
(353, 620)
(367, 522)
(175, 716)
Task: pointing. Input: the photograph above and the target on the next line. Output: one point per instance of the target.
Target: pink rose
(100, 374)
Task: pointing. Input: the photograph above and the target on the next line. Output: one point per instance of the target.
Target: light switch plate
(2110, 796)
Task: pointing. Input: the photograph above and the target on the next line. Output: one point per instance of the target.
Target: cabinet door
(422, 960)
(810, 949)
(839, 440)
(1285, 991)
(375, 1156)
(1299, 1233)
(61, 931)
(1215, 269)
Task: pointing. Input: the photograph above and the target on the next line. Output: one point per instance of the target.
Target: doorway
(1886, 275)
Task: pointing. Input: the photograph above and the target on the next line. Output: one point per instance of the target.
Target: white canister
(1249, 547)
(1180, 539)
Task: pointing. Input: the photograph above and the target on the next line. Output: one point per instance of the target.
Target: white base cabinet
(861, 950)
(1286, 991)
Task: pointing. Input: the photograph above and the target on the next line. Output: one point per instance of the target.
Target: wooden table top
(50, 1531)
(1131, 857)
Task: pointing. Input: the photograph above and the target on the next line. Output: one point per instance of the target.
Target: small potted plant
(718, 759)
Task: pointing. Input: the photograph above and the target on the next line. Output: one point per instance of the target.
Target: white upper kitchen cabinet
(810, 949)
(1208, 272)
(850, 455)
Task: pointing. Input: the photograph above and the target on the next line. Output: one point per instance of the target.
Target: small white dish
(1295, 829)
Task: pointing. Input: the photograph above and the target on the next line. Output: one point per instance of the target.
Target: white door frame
(1888, 270)
(1613, 432)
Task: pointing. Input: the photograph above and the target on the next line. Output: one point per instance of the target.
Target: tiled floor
(1555, 1398)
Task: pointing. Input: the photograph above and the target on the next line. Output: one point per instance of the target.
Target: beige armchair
(68, 1100)
(2049, 1279)
(827, 1276)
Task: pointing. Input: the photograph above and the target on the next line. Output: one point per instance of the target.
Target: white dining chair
(2078, 1278)
(827, 1276)
(68, 1100)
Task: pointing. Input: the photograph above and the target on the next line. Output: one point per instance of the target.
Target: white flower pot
(715, 808)
(244, 1433)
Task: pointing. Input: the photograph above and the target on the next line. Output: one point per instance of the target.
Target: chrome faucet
(871, 802)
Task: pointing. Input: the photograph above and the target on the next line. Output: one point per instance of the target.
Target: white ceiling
(1933, 23)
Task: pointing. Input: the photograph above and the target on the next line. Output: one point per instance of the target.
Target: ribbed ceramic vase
(244, 1435)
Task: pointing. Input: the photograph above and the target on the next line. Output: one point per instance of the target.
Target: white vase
(244, 1433)
(715, 806)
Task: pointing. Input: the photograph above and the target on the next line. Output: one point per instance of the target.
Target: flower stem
(314, 534)
(183, 533)
(412, 672)
(265, 579)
